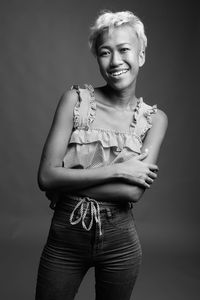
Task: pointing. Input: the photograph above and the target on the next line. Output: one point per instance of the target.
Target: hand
(137, 172)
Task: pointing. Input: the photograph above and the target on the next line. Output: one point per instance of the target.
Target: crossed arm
(124, 181)
(150, 151)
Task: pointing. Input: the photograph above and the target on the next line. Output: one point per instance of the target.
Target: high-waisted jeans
(71, 250)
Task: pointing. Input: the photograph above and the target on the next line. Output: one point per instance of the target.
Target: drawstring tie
(83, 207)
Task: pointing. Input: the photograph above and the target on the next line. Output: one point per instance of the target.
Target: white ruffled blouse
(102, 134)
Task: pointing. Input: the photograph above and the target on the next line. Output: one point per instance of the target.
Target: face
(119, 56)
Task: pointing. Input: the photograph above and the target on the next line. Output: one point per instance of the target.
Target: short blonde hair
(107, 20)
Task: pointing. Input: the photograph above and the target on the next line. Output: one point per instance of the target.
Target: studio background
(43, 52)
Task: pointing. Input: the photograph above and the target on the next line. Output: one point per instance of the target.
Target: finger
(144, 184)
(153, 167)
(152, 175)
(142, 155)
(149, 180)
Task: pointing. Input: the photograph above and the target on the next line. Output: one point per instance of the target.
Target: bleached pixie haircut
(109, 20)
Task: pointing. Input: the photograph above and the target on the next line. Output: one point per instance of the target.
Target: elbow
(42, 183)
(43, 180)
(135, 198)
(136, 194)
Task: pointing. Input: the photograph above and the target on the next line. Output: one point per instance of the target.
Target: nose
(116, 59)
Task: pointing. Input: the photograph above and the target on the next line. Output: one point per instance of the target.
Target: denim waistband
(80, 207)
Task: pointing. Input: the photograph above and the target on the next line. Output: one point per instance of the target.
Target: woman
(99, 158)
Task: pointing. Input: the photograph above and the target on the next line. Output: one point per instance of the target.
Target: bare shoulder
(158, 129)
(155, 135)
(66, 103)
(68, 99)
(65, 108)
(160, 119)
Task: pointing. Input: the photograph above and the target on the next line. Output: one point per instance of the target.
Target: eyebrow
(122, 44)
(118, 45)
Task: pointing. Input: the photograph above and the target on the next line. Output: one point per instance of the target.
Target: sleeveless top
(102, 134)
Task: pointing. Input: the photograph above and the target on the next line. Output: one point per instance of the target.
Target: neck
(121, 98)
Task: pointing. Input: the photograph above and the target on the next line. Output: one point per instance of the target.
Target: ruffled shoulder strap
(145, 119)
(85, 108)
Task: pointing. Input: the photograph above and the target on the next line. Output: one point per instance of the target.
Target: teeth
(119, 73)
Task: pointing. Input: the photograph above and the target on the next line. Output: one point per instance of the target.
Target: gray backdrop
(43, 52)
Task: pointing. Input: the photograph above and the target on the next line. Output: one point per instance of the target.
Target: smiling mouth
(118, 73)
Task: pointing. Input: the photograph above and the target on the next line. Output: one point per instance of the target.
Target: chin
(121, 85)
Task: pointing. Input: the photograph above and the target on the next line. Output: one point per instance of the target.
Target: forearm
(114, 191)
(74, 180)
(55, 177)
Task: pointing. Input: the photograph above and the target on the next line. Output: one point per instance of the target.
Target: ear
(141, 57)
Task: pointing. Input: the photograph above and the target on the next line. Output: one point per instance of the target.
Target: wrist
(118, 173)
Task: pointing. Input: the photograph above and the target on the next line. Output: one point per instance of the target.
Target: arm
(152, 142)
(114, 191)
(131, 192)
(51, 174)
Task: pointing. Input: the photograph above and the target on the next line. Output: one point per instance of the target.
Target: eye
(124, 50)
(103, 53)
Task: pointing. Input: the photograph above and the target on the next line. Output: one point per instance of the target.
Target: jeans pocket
(122, 220)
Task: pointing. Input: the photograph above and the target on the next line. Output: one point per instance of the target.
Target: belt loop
(130, 205)
(109, 213)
